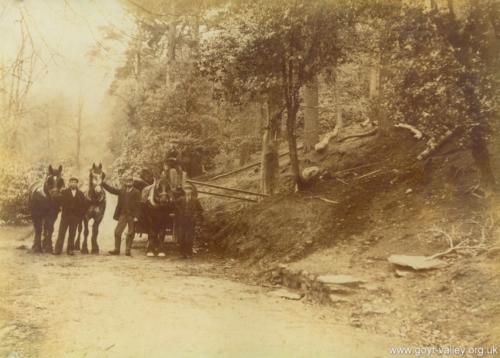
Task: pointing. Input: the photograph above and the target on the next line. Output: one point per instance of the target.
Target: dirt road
(102, 306)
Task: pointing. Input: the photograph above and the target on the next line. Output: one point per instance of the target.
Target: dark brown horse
(44, 202)
(158, 203)
(96, 206)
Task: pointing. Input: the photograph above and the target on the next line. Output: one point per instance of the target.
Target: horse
(95, 208)
(45, 202)
(157, 205)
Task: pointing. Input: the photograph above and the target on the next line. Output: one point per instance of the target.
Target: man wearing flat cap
(73, 207)
(127, 212)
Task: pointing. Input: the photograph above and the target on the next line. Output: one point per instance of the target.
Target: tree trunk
(338, 108)
(461, 41)
(311, 115)
(291, 121)
(172, 39)
(271, 116)
(374, 79)
(481, 157)
(244, 152)
(79, 134)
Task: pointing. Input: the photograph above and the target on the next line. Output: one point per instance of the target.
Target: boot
(128, 247)
(116, 251)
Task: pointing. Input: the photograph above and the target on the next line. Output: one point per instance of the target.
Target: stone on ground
(416, 262)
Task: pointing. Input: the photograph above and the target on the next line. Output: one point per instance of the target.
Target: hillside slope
(352, 220)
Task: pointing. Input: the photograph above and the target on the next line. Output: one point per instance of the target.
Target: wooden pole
(227, 196)
(195, 182)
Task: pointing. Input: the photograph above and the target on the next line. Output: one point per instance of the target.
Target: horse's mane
(37, 187)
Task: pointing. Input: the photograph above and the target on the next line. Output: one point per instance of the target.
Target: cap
(73, 178)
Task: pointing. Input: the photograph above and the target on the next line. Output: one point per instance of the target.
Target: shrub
(15, 181)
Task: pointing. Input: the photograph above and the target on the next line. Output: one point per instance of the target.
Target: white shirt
(73, 192)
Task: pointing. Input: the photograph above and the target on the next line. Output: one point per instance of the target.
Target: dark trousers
(185, 232)
(124, 221)
(69, 222)
(43, 225)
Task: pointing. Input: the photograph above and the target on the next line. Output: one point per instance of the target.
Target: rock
(370, 287)
(402, 273)
(340, 289)
(356, 322)
(340, 280)
(287, 294)
(310, 173)
(337, 298)
(368, 308)
(416, 262)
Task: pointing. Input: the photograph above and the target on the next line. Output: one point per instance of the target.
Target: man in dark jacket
(126, 213)
(73, 208)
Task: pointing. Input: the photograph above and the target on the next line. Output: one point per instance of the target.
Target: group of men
(73, 208)
(127, 211)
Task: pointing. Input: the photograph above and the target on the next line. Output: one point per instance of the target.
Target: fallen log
(322, 144)
(329, 201)
(368, 174)
(433, 145)
(359, 135)
(416, 133)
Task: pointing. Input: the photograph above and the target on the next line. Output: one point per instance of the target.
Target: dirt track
(102, 306)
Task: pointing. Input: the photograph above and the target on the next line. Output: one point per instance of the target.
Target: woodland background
(222, 80)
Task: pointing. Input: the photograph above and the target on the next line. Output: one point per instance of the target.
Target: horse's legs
(85, 248)
(77, 241)
(37, 242)
(48, 229)
(150, 250)
(95, 232)
(161, 242)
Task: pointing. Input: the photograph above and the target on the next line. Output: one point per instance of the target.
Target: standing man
(73, 208)
(127, 212)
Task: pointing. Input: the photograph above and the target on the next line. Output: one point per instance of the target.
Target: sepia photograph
(249, 178)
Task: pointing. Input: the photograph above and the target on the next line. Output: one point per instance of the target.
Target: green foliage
(16, 181)
(437, 76)
(254, 45)
(160, 112)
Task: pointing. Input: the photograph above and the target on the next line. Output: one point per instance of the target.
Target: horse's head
(96, 177)
(161, 192)
(54, 182)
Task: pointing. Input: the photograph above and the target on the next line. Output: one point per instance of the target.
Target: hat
(73, 178)
(127, 175)
(172, 155)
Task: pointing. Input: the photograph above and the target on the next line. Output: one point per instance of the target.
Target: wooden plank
(227, 196)
(196, 182)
